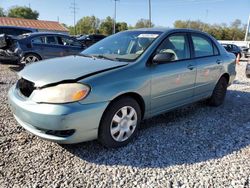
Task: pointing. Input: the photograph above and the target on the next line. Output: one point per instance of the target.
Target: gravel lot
(195, 146)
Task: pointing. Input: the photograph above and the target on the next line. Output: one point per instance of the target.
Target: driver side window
(176, 44)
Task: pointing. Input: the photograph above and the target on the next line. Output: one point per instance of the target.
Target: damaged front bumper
(10, 49)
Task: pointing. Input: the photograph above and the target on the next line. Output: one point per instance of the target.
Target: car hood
(66, 69)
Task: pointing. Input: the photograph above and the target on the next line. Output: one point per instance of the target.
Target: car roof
(17, 27)
(45, 33)
(164, 30)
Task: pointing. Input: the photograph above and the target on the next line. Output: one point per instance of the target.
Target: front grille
(25, 87)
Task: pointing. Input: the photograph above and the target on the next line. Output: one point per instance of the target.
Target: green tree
(220, 31)
(143, 23)
(190, 24)
(88, 25)
(23, 12)
(236, 29)
(2, 14)
(106, 27)
(71, 30)
(121, 26)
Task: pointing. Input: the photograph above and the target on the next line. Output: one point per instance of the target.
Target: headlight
(62, 93)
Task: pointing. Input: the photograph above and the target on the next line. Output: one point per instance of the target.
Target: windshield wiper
(100, 56)
(85, 55)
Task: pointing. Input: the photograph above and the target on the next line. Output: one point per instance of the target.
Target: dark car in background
(236, 50)
(245, 51)
(45, 45)
(89, 40)
(15, 31)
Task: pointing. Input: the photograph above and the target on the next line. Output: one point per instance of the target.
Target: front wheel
(120, 123)
(30, 58)
(219, 93)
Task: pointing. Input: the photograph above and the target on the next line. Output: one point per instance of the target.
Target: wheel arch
(133, 95)
(139, 99)
(27, 53)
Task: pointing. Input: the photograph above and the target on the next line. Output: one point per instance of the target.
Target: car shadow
(187, 135)
(16, 68)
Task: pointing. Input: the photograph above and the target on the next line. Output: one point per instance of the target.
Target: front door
(173, 82)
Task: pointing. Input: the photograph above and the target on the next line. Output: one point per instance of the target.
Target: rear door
(173, 82)
(52, 48)
(209, 64)
(69, 45)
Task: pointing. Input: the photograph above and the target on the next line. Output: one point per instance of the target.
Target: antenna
(115, 18)
(74, 10)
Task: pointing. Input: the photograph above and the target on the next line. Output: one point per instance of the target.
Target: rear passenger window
(176, 44)
(50, 40)
(68, 42)
(202, 46)
(38, 40)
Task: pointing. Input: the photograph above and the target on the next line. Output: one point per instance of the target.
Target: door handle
(190, 67)
(218, 61)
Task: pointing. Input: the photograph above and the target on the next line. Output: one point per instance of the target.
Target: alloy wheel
(31, 59)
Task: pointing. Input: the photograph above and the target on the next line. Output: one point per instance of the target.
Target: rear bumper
(38, 119)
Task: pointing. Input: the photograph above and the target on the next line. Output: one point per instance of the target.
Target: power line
(74, 11)
(149, 12)
(114, 27)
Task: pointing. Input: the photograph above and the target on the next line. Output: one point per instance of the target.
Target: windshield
(124, 46)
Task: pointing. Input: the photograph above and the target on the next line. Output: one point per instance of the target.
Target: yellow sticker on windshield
(148, 35)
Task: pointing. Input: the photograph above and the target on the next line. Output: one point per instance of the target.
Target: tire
(30, 58)
(123, 117)
(219, 93)
(248, 75)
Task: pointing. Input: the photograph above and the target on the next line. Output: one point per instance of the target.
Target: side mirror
(163, 57)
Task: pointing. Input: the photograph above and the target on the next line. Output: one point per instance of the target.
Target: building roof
(37, 24)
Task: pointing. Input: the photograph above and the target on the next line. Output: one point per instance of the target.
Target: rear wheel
(120, 123)
(30, 58)
(219, 93)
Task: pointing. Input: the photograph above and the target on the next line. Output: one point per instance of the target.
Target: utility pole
(114, 27)
(74, 9)
(149, 12)
(248, 27)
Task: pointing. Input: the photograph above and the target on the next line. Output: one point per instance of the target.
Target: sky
(164, 12)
